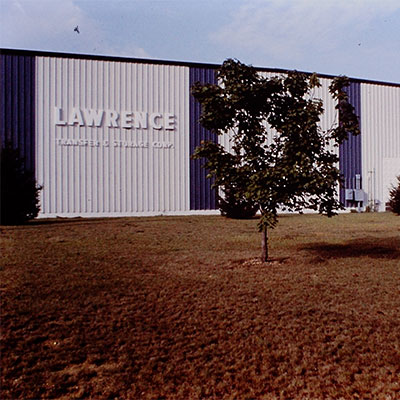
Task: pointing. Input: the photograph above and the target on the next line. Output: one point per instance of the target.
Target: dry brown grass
(180, 308)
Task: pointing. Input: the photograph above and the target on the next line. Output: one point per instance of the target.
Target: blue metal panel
(17, 104)
(202, 196)
(350, 150)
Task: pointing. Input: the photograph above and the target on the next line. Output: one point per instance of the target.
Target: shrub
(19, 199)
(233, 205)
(394, 195)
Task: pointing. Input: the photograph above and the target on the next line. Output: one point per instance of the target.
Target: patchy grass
(180, 307)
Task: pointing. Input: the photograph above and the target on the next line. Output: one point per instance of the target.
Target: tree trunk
(264, 244)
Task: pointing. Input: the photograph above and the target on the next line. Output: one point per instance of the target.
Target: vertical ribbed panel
(202, 196)
(17, 105)
(350, 149)
(328, 119)
(98, 176)
(380, 120)
(225, 139)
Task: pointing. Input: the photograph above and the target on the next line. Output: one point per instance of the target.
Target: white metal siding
(100, 180)
(380, 125)
(328, 119)
(225, 139)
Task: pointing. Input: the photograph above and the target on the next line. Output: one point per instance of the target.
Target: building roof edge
(85, 56)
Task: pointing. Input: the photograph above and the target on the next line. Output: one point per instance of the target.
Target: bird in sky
(76, 29)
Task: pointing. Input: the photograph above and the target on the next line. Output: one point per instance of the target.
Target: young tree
(280, 156)
(394, 194)
(19, 199)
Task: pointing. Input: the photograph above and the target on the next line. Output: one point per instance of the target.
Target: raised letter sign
(153, 122)
(126, 119)
(140, 119)
(75, 117)
(111, 118)
(58, 117)
(169, 121)
(93, 117)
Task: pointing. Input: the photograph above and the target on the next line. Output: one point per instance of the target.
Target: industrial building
(111, 136)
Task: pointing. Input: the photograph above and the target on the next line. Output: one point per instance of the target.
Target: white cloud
(290, 29)
(352, 37)
(28, 22)
(49, 25)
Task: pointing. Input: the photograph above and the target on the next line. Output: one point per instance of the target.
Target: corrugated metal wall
(328, 118)
(95, 169)
(350, 150)
(17, 105)
(202, 196)
(225, 139)
(105, 175)
(380, 121)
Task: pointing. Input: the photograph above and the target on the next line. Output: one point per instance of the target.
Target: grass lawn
(181, 308)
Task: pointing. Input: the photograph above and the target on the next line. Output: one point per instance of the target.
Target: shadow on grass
(61, 220)
(66, 221)
(389, 248)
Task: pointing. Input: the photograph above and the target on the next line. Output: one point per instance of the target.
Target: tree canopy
(19, 197)
(394, 197)
(280, 157)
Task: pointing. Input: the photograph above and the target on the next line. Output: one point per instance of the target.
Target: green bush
(394, 195)
(19, 200)
(233, 205)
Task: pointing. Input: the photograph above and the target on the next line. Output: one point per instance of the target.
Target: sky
(357, 38)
